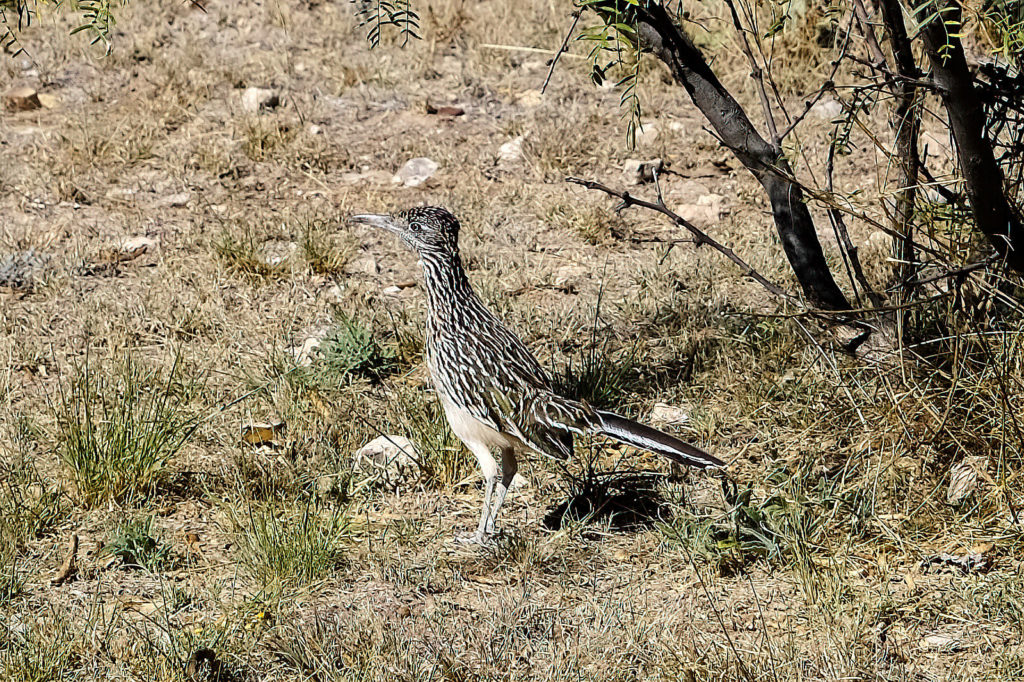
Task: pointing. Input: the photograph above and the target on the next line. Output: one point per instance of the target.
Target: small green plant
(117, 436)
(351, 351)
(134, 543)
(281, 546)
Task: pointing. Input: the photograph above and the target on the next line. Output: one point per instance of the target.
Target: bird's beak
(384, 222)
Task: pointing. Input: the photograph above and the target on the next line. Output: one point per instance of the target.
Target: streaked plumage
(496, 396)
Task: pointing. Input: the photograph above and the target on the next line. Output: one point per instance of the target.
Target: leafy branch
(380, 14)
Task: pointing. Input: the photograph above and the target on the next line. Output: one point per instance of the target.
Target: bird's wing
(513, 382)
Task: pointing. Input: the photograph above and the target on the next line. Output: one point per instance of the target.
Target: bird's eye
(415, 227)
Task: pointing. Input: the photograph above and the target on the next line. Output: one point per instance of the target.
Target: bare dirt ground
(284, 561)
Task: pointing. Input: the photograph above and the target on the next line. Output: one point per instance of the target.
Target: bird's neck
(445, 281)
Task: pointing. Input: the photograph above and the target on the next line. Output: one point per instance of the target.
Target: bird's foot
(474, 538)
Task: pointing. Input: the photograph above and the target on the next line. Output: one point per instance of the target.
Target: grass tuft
(351, 351)
(134, 543)
(281, 546)
(117, 436)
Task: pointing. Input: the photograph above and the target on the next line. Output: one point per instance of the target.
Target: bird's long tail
(646, 438)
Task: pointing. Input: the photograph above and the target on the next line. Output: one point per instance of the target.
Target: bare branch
(563, 48)
(700, 237)
(757, 75)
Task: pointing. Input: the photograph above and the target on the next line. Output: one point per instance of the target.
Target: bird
(496, 396)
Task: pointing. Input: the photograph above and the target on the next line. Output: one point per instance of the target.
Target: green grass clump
(117, 436)
(41, 650)
(350, 351)
(281, 546)
(134, 543)
(30, 507)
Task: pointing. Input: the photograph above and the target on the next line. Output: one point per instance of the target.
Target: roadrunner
(497, 398)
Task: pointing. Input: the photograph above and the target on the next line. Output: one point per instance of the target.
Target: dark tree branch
(906, 119)
(699, 236)
(983, 178)
(659, 34)
(563, 48)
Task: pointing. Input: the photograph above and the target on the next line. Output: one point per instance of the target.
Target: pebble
(637, 172)
(22, 99)
(415, 172)
(255, 100)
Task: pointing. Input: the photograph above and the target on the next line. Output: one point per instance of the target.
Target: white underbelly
(474, 433)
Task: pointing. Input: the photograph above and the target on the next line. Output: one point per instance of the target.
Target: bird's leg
(489, 468)
(486, 514)
(509, 467)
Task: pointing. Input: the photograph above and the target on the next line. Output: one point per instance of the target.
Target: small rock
(276, 252)
(663, 413)
(826, 109)
(389, 461)
(707, 210)
(530, 98)
(134, 247)
(646, 134)
(512, 150)
(963, 479)
(697, 214)
(398, 287)
(22, 270)
(22, 99)
(255, 100)
(637, 172)
(48, 101)
(688, 191)
(940, 643)
(415, 172)
(304, 354)
(178, 200)
(445, 110)
(314, 129)
(335, 295)
(366, 264)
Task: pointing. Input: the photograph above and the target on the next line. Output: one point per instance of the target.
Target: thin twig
(523, 48)
(563, 48)
(700, 237)
(848, 248)
(757, 75)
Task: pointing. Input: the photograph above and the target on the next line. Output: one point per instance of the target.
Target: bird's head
(428, 230)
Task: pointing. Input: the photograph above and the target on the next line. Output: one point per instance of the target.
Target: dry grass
(283, 559)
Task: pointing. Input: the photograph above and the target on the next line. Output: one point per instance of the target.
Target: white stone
(663, 413)
(637, 172)
(178, 200)
(511, 150)
(940, 643)
(255, 100)
(826, 109)
(133, 247)
(646, 133)
(415, 172)
(390, 461)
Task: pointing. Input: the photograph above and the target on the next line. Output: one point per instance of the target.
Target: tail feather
(647, 438)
